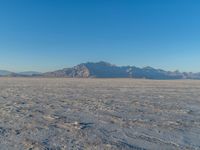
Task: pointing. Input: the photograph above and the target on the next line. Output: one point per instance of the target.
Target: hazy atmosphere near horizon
(45, 35)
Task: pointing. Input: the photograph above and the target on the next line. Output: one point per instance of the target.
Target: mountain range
(5, 73)
(106, 70)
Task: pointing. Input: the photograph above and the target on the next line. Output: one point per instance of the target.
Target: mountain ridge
(104, 69)
(107, 70)
(5, 72)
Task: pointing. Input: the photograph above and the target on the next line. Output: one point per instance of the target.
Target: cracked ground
(62, 114)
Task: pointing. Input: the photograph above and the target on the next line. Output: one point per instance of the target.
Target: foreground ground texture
(55, 114)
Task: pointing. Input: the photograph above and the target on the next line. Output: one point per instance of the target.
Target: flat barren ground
(56, 114)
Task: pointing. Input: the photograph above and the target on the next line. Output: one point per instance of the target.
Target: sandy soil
(56, 114)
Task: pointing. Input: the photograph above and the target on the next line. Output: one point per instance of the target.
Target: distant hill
(29, 73)
(106, 70)
(5, 73)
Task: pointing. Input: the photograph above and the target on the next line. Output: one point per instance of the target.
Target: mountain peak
(100, 63)
(149, 68)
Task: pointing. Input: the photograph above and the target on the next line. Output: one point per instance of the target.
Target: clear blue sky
(44, 35)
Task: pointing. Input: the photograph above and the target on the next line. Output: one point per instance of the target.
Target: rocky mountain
(107, 70)
(80, 71)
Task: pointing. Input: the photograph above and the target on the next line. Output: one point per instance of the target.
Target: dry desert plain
(61, 113)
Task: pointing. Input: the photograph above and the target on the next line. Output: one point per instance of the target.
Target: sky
(45, 35)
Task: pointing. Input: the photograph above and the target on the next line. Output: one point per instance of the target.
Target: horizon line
(60, 68)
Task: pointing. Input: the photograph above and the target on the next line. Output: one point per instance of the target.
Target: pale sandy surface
(54, 114)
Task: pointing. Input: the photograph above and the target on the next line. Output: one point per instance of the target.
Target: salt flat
(42, 113)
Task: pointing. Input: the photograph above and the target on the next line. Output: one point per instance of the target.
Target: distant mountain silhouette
(106, 70)
(29, 73)
(5, 73)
